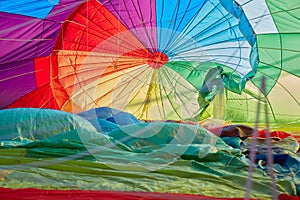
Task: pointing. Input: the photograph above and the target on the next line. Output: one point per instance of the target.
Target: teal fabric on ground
(234, 142)
(157, 157)
(22, 125)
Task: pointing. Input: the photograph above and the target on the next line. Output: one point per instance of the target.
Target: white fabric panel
(232, 54)
(285, 95)
(258, 15)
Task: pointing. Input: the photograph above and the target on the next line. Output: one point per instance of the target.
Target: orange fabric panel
(58, 90)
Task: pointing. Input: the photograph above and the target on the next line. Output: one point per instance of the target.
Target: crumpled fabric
(146, 157)
(286, 159)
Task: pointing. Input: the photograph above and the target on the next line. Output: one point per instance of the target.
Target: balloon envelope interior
(179, 60)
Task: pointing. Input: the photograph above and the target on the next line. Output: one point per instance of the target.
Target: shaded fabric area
(168, 158)
(285, 150)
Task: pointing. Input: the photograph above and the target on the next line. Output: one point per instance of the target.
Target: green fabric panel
(285, 15)
(271, 75)
(198, 74)
(277, 52)
(243, 108)
(269, 49)
(176, 91)
(183, 176)
(193, 72)
(278, 56)
(290, 52)
(240, 108)
(280, 51)
(233, 82)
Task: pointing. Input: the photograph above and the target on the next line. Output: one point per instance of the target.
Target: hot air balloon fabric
(78, 55)
(138, 78)
(58, 152)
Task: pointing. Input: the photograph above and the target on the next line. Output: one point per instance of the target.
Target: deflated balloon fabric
(76, 156)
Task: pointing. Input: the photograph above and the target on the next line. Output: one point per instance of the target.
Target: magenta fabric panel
(17, 79)
(139, 17)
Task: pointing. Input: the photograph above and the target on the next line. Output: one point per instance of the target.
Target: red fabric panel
(91, 25)
(42, 71)
(274, 134)
(288, 197)
(29, 193)
(41, 97)
(91, 28)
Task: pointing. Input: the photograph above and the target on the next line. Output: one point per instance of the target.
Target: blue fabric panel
(113, 118)
(244, 24)
(254, 57)
(213, 24)
(175, 16)
(246, 29)
(123, 119)
(103, 125)
(32, 8)
(232, 7)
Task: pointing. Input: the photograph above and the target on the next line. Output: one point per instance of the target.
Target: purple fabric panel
(52, 25)
(17, 33)
(28, 37)
(48, 36)
(16, 81)
(139, 16)
(23, 39)
(62, 10)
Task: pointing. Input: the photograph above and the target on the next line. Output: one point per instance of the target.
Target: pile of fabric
(106, 149)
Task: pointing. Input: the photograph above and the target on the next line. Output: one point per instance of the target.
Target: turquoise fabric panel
(38, 8)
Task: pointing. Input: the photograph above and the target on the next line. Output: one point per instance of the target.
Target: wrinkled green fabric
(171, 157)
